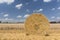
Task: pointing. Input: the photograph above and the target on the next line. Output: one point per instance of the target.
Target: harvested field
(20, 34)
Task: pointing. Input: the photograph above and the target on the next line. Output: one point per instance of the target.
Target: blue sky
(19, 10)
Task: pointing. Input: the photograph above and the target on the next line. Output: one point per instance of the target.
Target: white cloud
(53, 8)
(58, 0)
(58, 8)
(27, 15)
(19, 16)
(58, 17)
(47, 0)
(5, 15)
(34, 10)
(18, 6)
(6, 1)
(52, 20)
(8, 19)
(38, 10)
(27, 10)
(53, 17)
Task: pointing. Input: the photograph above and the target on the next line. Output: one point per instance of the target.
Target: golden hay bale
(37, 24)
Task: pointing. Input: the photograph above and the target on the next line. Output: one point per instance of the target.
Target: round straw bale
(37, 24)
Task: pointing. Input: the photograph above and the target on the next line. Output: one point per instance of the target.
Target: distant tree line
(11, 22)
(23, 22)
(0, 21)
(54, 22)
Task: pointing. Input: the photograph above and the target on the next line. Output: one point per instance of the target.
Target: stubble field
(17, 32)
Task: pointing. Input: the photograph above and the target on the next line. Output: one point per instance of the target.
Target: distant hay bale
(37, 24)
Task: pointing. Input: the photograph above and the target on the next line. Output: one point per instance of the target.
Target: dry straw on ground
(37, 24)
